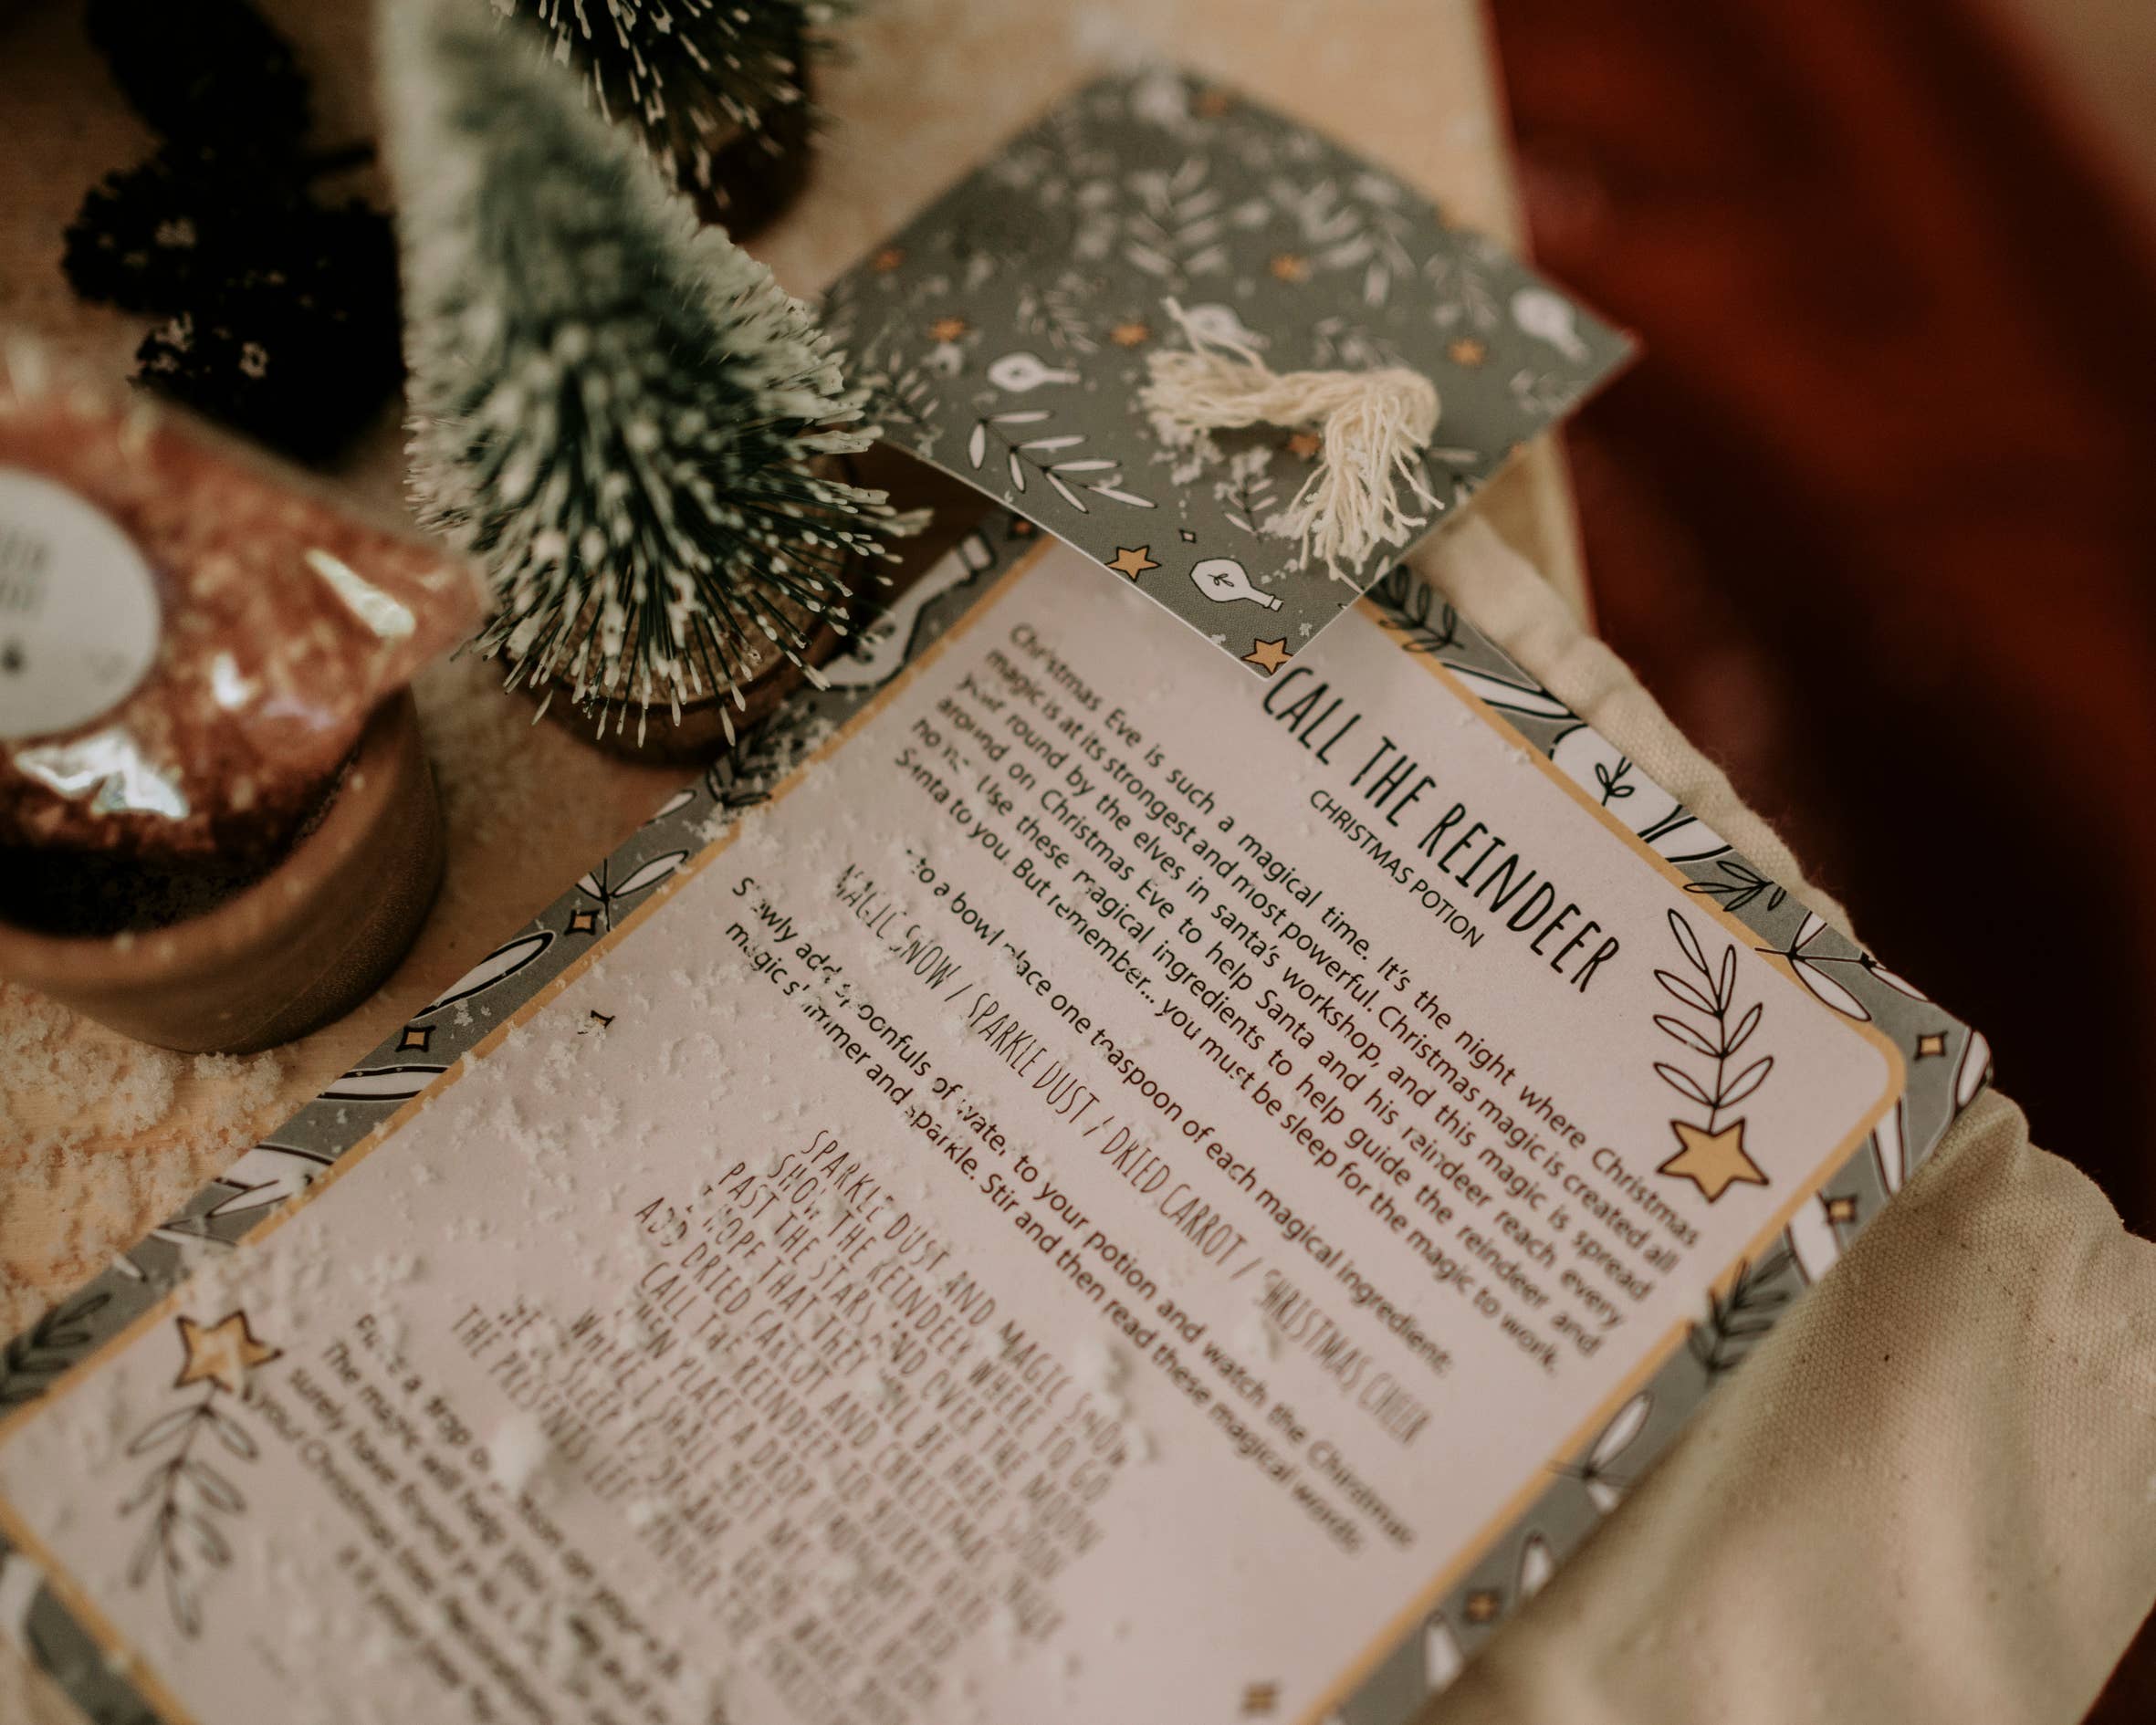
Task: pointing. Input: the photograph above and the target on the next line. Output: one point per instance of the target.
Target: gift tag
(1067, 327)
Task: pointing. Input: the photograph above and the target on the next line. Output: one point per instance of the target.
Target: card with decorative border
(1063, 1182)
(1008, 332)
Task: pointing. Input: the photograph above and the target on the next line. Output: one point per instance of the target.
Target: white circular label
(78, 610)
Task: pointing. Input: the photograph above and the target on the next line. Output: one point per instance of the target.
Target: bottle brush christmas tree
(719, 88)
(623, 418)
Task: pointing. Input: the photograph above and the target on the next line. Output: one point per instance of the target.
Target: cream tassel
(1373, 425)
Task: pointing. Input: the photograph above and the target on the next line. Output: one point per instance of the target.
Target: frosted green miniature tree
(622, 417)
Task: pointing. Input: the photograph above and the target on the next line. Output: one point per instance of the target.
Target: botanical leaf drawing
(1742, 884)
(1246, 494)
(1710, 990)
(504, 962)
(185, 1498)
(601, 885)
(1810, 968)
(1737, 1318)
(1467, 293)
(1021, 457)
(32, 1360)
(1175, 230)
(1422, 619)
(381, 1083)
(1058, 313)
(268, 1174)
(1443, 1660)
(1605, 1488)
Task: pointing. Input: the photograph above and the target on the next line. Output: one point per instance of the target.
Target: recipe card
(1099, 1186)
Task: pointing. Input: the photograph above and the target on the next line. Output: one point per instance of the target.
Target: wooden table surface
(101, 1137)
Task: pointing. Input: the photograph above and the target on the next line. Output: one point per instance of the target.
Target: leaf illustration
(231, 1434)
(161, 1431)
(1743, 1033)
(1746, 1082)
(649, 875)
(1117, 494)
(381, 1083)
(1737, 1318)
(1811, 1239)
(266, 1175)
(675, 804)
(1538, 1562)
(1689, 942)
(1684, 1084)
(1828, 990)
(1529, 698)
(42, 1351)
(1742, 885)
(1685, 1034)
(1889, 1146)
(1443, 1660)
(1625, 1424)
(209, 1544)
(1689, 993)
(1975, 1070)
(217, 1492)
(504, 962)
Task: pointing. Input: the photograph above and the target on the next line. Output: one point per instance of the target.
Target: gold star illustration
(1133, 563)
(1467, 351)
(1481, 1606)
(1129, 333)
(1712, 1161)
(1289, 266)
(1268, 655)
(416, 1036)
(221, 1354)
(1305, 444)
(1841, 1210)
(887, 260)
(1931, 1044)
(582, 922)
(1212, 104)
(948, 329)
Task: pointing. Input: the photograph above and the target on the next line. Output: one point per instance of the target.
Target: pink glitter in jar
(191, 637)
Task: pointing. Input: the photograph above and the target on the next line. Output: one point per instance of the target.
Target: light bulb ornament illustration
(1547, 317)
(1016, 373)
(1223, 579)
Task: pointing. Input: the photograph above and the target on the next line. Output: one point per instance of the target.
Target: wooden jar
(299, 946)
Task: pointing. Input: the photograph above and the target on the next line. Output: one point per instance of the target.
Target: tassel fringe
(1373, 427)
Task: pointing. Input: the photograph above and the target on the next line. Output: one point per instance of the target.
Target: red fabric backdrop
(1875, 516)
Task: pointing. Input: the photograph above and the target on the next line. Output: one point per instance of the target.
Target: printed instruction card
(1098, 1186)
